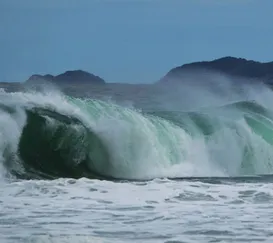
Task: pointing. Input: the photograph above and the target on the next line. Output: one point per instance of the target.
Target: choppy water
(67, 210)
(125, 169)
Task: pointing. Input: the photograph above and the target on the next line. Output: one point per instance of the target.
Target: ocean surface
(137, 163)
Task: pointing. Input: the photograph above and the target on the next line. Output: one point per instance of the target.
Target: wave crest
(50, 136)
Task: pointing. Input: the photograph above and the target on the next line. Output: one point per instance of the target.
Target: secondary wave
(51, 135)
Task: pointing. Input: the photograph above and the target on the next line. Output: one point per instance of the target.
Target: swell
(99, 140)
(208, 120)
(54, 145)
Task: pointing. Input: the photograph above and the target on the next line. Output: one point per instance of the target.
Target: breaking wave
(45, 135)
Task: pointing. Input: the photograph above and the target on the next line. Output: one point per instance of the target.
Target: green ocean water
(120, 164)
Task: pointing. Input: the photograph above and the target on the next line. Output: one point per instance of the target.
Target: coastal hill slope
(232, 66)
(69, 77)
(238, 67)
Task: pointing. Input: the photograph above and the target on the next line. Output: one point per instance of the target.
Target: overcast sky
(132, 41)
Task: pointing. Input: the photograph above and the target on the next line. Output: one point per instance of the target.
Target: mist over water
(215, 126)
(180, 161)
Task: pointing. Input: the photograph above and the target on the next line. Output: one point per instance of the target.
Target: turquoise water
(136, 165)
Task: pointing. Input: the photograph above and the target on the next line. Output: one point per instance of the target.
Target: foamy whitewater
(187, 164)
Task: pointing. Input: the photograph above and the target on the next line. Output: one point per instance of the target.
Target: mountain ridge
(232, 66)
(68, 77)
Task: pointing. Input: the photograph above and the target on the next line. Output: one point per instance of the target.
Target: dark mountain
(237, 67)
(69, 77)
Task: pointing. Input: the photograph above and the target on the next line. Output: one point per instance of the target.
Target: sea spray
(99, 139)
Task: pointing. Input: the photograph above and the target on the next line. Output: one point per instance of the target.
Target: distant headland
(69, 77)
(232, 66)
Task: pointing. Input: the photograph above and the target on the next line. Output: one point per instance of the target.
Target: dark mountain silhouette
(69, 77)
(238, 67)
